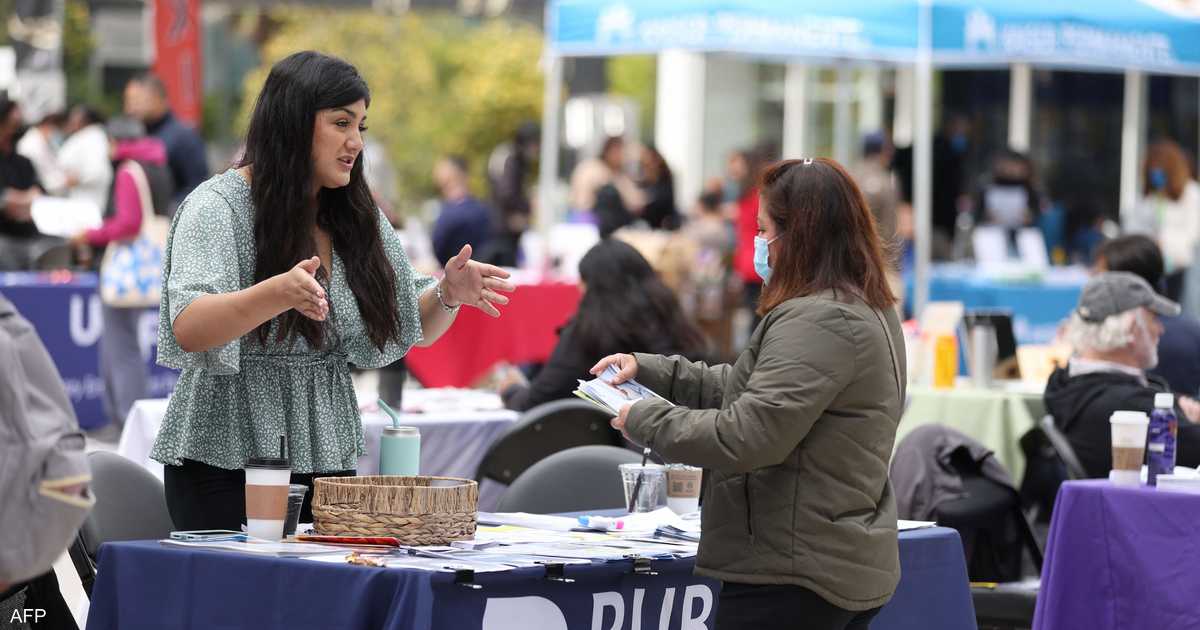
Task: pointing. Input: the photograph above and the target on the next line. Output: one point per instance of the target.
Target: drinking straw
(282, 447)
(391, 412)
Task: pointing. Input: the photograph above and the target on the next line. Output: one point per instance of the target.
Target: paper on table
(524, 519)
(644, 522)
(905, 526)
(262, 548)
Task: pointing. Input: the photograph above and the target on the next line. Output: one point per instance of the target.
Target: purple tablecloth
(1120, 558)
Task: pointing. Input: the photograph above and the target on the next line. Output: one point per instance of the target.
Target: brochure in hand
(611, 398)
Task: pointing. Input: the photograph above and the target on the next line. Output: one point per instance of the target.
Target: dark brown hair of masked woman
(828, 239)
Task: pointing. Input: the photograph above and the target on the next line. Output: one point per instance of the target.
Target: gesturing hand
(298, 288)
(474, 283)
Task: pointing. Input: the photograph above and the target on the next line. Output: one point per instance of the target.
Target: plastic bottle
(1160, 442)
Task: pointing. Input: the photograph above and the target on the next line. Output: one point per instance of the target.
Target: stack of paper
(259, 547)
(612, 398)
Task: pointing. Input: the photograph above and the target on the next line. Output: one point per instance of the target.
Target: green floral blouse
(233, 402)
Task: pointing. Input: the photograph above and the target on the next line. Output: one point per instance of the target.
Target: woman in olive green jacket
(799, 519)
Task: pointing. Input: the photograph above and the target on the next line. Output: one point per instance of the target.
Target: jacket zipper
(749, 511)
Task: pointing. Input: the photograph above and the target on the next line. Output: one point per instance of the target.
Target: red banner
(178, 59)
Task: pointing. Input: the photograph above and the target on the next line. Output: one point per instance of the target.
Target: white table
(457, 427)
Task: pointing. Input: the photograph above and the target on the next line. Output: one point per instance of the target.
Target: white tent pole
(903, 117)
(795, 110)
(1132, 132)
(870, 100)
(1020, 107)
(679, 122)
(547, 213)
(923, 157)
(842, 118)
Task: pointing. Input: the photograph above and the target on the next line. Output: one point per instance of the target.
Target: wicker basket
(415, 510)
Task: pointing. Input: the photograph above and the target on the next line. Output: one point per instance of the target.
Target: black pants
(783, 607)
(200, 496)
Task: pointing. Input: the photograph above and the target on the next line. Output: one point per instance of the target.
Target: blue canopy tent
(1133, 36)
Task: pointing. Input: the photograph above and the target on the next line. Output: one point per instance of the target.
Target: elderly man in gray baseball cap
(1114, 331)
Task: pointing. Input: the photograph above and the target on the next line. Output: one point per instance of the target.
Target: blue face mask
(958, 143)
(761, 254)
(1158, 178)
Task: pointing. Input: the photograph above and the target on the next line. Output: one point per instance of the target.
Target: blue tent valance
(1153, 35)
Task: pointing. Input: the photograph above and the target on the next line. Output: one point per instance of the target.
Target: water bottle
(400, 451)
(1160, 441)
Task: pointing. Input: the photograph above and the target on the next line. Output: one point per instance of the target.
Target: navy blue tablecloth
(144, 585)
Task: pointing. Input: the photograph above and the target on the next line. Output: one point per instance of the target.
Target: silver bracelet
(442, 301)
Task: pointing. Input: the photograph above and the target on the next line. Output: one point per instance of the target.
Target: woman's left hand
(475, 284)
(618, 423)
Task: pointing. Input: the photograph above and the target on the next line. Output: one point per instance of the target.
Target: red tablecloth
(525, 333)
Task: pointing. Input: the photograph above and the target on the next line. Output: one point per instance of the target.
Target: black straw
(637, 485)
(283, 447)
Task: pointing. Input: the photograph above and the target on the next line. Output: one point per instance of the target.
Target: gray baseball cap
(1114, 292)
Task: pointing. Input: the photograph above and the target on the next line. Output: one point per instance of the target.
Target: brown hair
(1166, 155)
(828, 239)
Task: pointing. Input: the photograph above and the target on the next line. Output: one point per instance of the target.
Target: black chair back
(130, 505)
(574, 480)
(542, 431)
(1063, 448)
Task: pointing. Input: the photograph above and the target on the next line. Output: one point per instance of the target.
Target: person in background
(951, 147)
(624, 305)
(45, 486)
(1179, 345)
(141, 168)
(1008, 198)
(40, 144)
(744, 167)
(84, 157)
(1081, 209)
(279, 274)
(463, 218)
(875, 179)
(1170, 211)
(18, 188)
(796, 436)
(601, 187)
(708, 227)
(658, 187)
(508, 172)
(146, 100)
(1115, 332)
(877, 183)
(711, 302)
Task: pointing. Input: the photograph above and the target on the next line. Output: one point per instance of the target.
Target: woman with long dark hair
(625, 306)
(278, 276)
(658, 185)
(799, 517)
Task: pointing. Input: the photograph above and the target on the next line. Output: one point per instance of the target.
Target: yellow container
(945, 361)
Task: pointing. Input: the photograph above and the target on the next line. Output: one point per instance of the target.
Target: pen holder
(650, 491)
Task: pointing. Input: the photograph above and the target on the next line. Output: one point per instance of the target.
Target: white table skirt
(453, 442)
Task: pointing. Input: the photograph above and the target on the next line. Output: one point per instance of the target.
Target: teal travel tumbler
(400, 451)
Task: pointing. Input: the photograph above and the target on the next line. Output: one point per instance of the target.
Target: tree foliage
(439, 84)
(635, 76)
